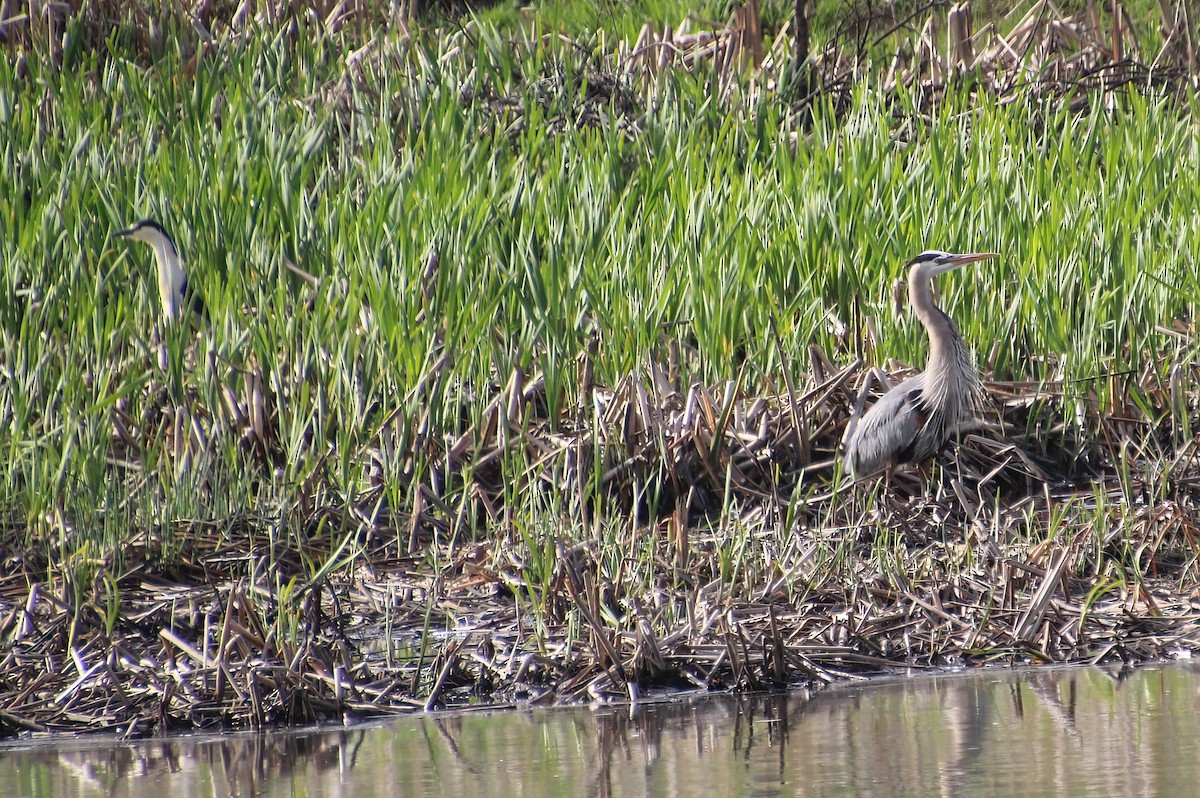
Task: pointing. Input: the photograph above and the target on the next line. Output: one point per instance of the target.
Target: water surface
(1051, 732)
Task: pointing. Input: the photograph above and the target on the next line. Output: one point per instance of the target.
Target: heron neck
(171, 276)
(948, 357)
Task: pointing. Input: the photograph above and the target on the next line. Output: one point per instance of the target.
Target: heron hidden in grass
(915, 419)
(177, 294)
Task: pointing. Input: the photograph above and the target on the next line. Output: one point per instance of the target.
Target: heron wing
(894, 430)
(193, 299)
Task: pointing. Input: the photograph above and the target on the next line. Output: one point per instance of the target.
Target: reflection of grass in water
(429, 425)
(999, 727)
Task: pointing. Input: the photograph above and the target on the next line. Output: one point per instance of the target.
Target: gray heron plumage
(173, 287)
(913, 421)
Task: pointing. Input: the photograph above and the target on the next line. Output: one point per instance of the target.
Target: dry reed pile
(931, 46)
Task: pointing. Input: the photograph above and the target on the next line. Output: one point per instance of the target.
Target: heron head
(148, 231)
(933, 262)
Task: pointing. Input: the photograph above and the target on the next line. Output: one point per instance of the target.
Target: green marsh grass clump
(702, 228)
(492, 239)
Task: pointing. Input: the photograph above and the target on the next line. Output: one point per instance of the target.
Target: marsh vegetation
(557, 416)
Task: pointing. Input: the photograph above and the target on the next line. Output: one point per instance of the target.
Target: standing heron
(177, 295)
(914, 420)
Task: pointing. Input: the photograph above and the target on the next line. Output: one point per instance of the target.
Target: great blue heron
(914, 420)
(177, 295)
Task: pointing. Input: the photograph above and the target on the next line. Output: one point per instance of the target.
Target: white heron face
(150, 232)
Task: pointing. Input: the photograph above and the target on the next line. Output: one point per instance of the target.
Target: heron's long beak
(958, 261)
(122, 233)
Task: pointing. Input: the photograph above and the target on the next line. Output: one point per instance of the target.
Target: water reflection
(1047, 732)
